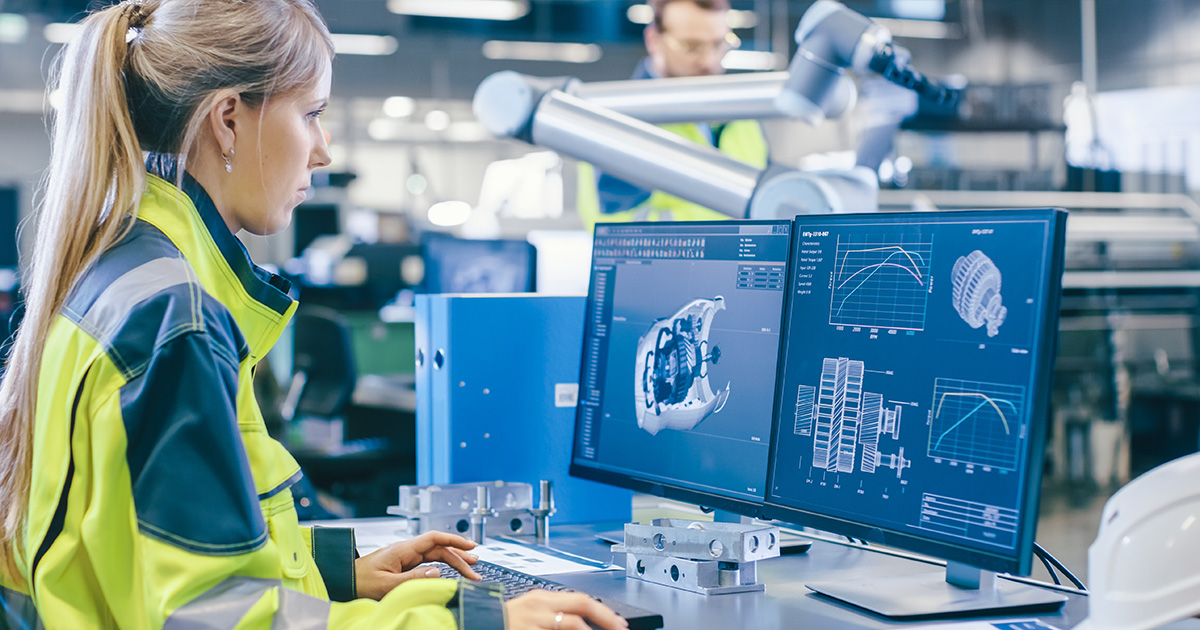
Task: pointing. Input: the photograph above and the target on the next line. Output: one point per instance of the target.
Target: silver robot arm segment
(608, 124)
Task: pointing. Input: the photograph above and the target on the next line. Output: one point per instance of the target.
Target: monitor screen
(457, 265)
(680, 347)
(311, 220)
(913, 398)
(9, 217)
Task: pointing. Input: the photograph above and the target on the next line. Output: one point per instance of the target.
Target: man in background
(687, 38)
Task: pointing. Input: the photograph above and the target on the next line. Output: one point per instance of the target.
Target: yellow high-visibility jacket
(158, 499)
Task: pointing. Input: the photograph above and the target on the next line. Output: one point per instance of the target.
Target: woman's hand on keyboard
(382, 570)
(549, 610)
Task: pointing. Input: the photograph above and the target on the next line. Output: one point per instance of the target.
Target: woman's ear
(224, 117)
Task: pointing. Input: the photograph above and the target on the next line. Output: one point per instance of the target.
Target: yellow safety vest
(158, 499)
(741, 139)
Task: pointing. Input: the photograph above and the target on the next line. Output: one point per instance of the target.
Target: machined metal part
(709, 558)
(544, 510)
(703, 540)
(450, 507)
(707, 577)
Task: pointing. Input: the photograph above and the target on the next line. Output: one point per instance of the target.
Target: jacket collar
(257, 299)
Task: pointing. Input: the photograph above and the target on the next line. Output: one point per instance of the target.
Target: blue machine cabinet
(496, 381)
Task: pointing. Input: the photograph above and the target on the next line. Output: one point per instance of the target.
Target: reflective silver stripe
(17, 611)
(223, 606)
(105, 316)
(298, 611)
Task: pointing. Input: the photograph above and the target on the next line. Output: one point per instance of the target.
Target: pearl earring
(228, 163)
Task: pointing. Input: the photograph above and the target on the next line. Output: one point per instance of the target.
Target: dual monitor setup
(882, 376)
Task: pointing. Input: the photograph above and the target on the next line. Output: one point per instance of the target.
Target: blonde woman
(140, 488)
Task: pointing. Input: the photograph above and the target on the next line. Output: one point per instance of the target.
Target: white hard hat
(1144, 567)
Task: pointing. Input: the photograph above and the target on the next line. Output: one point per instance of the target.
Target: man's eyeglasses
(697, 47)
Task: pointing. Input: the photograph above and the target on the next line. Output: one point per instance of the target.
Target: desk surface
(785, 604)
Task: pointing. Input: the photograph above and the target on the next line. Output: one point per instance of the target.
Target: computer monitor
(391, 267)
(913, 400)
(457, 265)
(10, 212)
(311, 220)
(680, 347)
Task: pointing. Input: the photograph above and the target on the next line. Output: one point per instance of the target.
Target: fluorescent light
(472, 9)
(449, 213)
(23, 101)
(376, 45)
(921, 29)
(13, 28)
(741, 19)
(416, 184)
(750, 60)
(399, 106)
(640, 14)
(644, 14)
(467, 131)
(437, 120)
(59, 32)
(542, 51)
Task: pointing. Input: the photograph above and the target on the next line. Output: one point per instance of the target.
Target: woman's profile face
(274, 157)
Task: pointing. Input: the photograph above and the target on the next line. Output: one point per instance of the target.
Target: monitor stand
(962, 591)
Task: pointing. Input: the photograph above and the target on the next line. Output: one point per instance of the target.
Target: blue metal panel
(424, 362)
(493, 413)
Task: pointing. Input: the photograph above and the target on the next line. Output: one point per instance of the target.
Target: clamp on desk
(700, 557)
(466, 508)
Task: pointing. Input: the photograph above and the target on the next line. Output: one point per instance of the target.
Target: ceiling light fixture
(13, 28)
(374, 45)
(399, 106)
(921, 29)
(751, 60)
(640, 14)
(59, 32)
(472, 9)
(542, 51)
(449, 213)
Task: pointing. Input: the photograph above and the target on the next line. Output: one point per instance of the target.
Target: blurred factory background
(1090, 105)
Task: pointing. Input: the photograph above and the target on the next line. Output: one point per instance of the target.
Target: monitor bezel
(1020, 562)
(744, 507)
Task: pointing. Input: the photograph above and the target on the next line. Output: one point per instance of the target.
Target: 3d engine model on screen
(672, 389)
(977, 297)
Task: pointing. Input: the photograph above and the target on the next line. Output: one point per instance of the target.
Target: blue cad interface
(906, 387)
(680, 354)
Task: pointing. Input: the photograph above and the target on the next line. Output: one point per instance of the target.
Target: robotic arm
(609, 124)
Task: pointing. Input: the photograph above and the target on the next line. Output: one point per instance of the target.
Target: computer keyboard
(515, 583)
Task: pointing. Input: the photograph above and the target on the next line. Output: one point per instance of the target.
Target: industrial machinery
(611, 124)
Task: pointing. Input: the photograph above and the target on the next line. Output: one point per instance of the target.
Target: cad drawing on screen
(977, 299)
(847, 420)
(672, 388)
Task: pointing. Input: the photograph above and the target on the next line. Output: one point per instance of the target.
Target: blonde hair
(138, 76)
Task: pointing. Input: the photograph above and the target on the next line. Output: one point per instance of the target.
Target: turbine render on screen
(672, 389)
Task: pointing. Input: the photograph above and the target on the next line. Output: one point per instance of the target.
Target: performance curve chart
(880, 283)
(976, 423)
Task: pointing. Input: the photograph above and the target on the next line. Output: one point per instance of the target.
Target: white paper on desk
(1010, 624)
(528, 560)
(371, 534)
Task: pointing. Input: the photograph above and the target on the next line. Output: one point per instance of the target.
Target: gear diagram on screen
(672, 389)
(976, 282)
